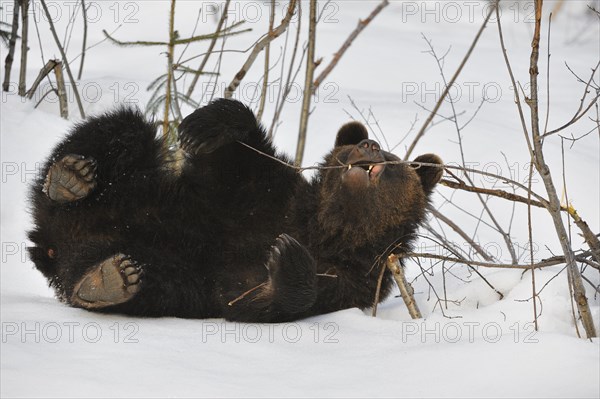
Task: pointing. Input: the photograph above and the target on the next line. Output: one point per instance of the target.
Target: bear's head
(367, 193)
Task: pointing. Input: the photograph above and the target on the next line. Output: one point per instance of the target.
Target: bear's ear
(351, 133)
(429, 175)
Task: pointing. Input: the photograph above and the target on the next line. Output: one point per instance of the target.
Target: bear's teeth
(370, 167)
(349, 166)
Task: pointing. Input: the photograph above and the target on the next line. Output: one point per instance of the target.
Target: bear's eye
(51, 253)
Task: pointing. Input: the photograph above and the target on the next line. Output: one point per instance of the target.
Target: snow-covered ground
(482, 347)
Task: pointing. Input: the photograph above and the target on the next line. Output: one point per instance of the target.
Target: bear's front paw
(220, 123)
(70, 179)
(208, 140)
(292, 272)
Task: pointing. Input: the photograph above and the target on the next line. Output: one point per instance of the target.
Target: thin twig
(495, 192)
(231, 303)
(450, 83)
(547, 87)
(258, 48)
(176, 42)
(378, 289)
(217, 68)
(505, 236)
(514, 85)
(437, 214)
(291, 77)
(265, 83)
(211, 46)
(570, 238)
(580, 111)
(64, 59)
(555, 260)
(530, 238)
(362, 24)
(52, 90)
(85, 28)
(170, 51)
(366, 119)
(595, 287)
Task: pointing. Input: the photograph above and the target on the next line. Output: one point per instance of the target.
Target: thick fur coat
(229, 233)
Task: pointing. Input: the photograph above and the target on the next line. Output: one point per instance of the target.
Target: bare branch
(555, 260)
(514, 85)
(547, 85)
(362, 24)
(461, 233)
(544, 171)
(450, 83)
(308, 82)
(265, 85)
(378, 289)
(590, 238)
(406, 291)
(42, 74)
(284, 89)
(495, 192)
(60, 91)
(258, 48)
(85, 28)
(24, 46)
(580, 111)
(64, 59)
(192, 39)
(539, 202)
(170, 51)
(11, 47)
(505, 236)
(211, 46)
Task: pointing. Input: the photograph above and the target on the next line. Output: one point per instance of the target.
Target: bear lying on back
(231, 233)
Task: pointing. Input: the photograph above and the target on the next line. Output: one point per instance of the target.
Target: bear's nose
(371, 145)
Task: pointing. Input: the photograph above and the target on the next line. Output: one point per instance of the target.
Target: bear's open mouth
(373, 170)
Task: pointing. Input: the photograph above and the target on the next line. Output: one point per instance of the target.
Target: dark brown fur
(202, 237)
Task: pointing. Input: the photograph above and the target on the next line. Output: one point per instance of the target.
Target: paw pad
(70, 179)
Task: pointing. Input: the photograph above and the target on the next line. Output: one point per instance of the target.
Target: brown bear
(229, 233)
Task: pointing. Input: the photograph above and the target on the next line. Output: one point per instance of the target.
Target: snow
(480, 347)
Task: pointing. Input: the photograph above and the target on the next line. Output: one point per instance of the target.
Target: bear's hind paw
(292, 272)
(114, 281)
(70, 179)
